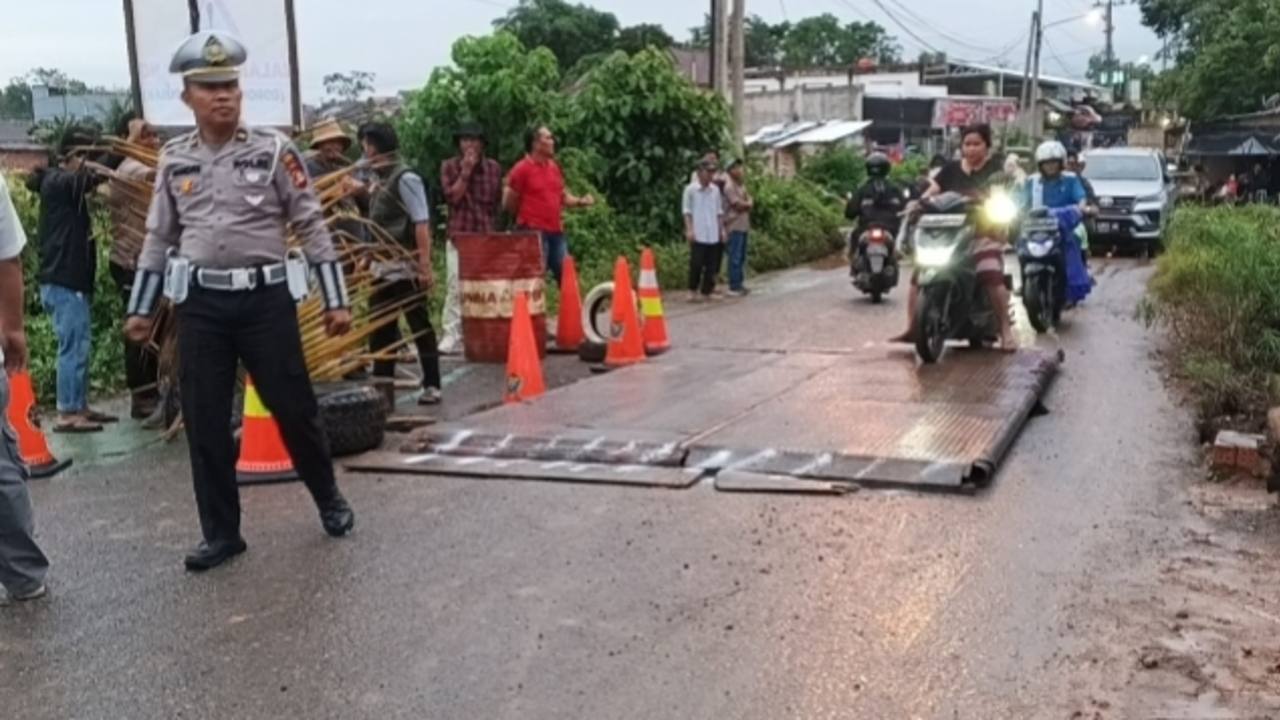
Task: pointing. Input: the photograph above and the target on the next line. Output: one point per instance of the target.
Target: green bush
(840, 171)
(1217, 289)
(106, 364)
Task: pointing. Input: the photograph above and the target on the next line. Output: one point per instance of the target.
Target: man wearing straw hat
(216, 240)
(329, 146)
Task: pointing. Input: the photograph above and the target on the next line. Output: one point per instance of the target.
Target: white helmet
(1050, 151)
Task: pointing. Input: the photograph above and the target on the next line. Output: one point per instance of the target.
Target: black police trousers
(258, 328)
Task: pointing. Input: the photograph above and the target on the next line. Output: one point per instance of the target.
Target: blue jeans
(70, 312)
(554, 249)
(737, 259)
(22, 565)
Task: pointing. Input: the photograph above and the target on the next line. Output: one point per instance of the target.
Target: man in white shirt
(22, 564)
(704, 229)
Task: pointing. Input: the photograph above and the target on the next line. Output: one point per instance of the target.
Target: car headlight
(1000, 209)
(936, 256)
(1158, 199)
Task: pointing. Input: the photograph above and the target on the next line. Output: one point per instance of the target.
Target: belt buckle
(241, 279)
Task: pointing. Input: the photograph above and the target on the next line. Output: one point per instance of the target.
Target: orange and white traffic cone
(263, 457)
(569, 332)
(654, 325)
(524, 367)
(626, 346)
(32, 447)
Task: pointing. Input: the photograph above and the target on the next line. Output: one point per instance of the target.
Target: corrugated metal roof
(828, 132)
(773, 134)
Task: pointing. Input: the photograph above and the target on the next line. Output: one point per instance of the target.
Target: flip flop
(96, 417)
(77, 426)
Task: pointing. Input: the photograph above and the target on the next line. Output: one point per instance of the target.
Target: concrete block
(1238, 451)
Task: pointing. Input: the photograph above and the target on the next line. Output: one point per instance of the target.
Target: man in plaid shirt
(472, 185)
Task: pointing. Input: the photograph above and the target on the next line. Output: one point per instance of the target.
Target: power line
(901, 25)
(1057, 58)
(911, 15)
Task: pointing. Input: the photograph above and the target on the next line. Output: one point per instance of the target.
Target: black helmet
(878, 165)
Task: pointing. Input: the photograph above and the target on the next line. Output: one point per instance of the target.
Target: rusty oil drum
(492, 268)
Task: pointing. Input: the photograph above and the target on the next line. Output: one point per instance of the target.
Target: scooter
(874, 262)
(952, 304)
(1040, 255)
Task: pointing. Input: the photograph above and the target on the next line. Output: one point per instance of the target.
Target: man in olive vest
(398, 204)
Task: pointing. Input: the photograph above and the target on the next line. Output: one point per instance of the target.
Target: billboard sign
(268, 78)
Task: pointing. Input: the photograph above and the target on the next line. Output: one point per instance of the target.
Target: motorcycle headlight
(1039, 249)
(935, 256)
(1000, 209)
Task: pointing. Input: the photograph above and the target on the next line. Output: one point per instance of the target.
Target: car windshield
(1120, 167)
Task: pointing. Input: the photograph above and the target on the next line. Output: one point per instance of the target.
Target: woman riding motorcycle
(971, 175)
(1055, 189)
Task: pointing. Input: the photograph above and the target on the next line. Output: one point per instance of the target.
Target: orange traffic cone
(263, 457)
(626, 346)
(654, 326)
(524, 367)
(569, 332)
(31, 443)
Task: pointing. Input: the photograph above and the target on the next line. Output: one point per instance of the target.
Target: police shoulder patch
(293, 165)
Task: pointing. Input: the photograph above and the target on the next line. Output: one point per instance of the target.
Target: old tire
(354, 419)
(592, 352)
(596, 303)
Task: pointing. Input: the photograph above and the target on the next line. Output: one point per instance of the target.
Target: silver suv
(1135, 196)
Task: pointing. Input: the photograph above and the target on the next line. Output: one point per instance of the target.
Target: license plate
(877, 263)
(1106, 227)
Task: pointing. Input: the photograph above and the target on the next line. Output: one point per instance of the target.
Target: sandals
(96, 417)
(76, 424)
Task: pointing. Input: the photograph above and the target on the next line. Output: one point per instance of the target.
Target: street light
(1093, 17)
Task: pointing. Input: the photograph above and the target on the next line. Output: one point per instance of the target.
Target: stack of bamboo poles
(327, 358)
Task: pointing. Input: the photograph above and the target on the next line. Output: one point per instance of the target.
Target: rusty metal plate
(870, 417)
(482, 468)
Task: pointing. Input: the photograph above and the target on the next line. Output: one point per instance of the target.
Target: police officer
(224, 194)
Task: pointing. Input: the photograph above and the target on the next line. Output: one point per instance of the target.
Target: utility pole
(720, 46)
(1034, 100)
(1024, 95)
(1111, 32)
(738, 49)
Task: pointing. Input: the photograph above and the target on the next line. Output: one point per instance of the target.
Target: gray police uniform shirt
(230, 207)
(12, 237)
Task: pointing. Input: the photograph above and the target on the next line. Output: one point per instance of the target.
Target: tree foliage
(819, 41)
(569, 31)
(15, 101)
(635, 38)
(823, 42)
(1229, 59)
(495, 82)
(649, 122)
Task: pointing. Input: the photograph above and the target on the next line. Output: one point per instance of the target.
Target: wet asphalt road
(464, 599)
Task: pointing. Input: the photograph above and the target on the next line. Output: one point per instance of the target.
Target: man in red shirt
(536, 195)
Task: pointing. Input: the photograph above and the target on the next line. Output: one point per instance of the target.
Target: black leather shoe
(209, 556)
(337, 516)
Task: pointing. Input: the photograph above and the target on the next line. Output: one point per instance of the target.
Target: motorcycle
(952, 304)
(1040, 255)
(874, 263)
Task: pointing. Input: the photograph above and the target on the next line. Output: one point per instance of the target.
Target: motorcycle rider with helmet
(879, 201)
(1053, 188)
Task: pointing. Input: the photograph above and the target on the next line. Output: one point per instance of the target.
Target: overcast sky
(401, 40)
